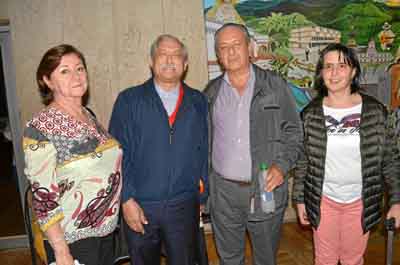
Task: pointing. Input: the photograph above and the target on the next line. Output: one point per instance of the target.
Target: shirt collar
(163, 93)
(250, 82)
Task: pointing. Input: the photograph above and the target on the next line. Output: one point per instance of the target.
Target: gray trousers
(231, 217)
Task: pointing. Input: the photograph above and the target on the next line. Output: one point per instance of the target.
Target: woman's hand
(63, 257)
(55, 235)
(394, 212)
(302, 214)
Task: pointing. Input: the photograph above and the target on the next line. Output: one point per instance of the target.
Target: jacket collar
(215, 84)
(317, 103)
(213, 89)
(259, 87)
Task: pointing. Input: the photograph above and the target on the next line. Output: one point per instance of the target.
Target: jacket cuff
(395, 199)
(297, 200)
(125, 197)
(282, 166)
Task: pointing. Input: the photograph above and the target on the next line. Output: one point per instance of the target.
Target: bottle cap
(263, 166)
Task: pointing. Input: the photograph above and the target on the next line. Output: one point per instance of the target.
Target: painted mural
(289, 34)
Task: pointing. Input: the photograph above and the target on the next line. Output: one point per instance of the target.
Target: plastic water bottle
(267, 198)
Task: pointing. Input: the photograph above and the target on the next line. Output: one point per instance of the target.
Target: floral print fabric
(74, 171)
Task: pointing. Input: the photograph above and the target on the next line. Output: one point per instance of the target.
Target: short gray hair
(240, 27)
(156, 44)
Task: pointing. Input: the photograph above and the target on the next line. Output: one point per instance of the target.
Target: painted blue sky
(208, 3)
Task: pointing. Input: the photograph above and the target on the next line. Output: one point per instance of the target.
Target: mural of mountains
(256, 7)
(362, 19)
(314, 10)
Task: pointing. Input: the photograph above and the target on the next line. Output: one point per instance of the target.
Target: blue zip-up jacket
(161, 163)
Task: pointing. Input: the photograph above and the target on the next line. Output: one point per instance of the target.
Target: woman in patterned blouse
(73, 165)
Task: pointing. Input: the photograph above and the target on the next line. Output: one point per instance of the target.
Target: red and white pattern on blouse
(52, 121)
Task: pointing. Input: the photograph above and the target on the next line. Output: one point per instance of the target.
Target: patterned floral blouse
(74, 171)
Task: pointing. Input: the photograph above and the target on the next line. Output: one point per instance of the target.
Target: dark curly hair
(50, 61)
(349, 57)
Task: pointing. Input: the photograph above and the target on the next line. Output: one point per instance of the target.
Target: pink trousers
(339, 235)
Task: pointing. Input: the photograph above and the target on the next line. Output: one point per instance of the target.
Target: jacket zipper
(171, 133)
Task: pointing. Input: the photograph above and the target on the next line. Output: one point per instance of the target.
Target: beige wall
(113, 35)
(3, 9)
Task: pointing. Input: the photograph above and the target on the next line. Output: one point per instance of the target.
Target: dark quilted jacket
(379, 161)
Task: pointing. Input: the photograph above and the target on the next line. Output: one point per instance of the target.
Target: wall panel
(32, 33)
(3, 10)
(136, 25)
(190, 28)
(89, 26)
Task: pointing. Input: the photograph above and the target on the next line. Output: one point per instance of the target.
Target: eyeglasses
(335, 66)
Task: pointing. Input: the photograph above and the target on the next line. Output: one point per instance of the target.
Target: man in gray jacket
(253, 120)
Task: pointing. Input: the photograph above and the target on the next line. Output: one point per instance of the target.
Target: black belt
(238, 182)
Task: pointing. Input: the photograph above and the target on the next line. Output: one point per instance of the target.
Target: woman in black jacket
(349, 153)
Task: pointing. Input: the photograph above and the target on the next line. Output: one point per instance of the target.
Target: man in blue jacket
(162, 127)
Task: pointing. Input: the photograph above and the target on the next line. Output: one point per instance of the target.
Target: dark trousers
(201, 253)
(175, 224)
(89, 251)
(231, 218)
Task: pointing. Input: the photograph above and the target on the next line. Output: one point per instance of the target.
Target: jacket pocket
(270, 107)
(281, 194)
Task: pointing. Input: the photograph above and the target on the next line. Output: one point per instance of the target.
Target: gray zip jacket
(275, 127)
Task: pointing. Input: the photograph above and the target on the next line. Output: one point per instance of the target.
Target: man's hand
(274, 178)
(394, 212)
(302, 214)
(134, 216)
